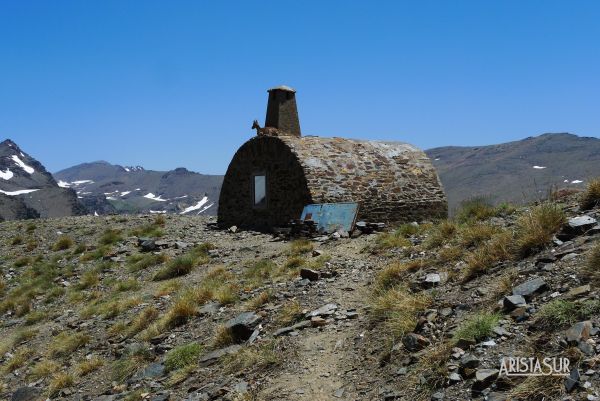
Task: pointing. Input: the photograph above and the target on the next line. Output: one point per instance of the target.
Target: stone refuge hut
(274, 175)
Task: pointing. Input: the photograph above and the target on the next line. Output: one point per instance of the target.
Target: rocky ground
(169, 308)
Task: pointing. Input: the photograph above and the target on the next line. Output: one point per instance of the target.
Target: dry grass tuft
(63, 242)
(591, 270)
(301, 247)
(539, 388)
(44, 369)
(289, 313)
(536, 228)
(591, 197)
(495, 250)
(20, 357)
(222, 337)
(441, 234)
(59, 382)
(398, 309)
(255, 357)
(397, 272)
(142, 320)
(65, 343)
(88, 366)
(179, 266)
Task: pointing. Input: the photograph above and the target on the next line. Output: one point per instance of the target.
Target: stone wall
(287, 191)
(393, 182)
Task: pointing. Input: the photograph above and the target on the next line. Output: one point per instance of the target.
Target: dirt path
(325, 359)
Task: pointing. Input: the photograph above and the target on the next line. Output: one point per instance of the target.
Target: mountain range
(107, 188)
(516, 172)
(519, 171)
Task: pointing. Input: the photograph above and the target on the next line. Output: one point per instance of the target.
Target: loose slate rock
(214, 355)
(579, 332)
(242, 326)
(484, 378)
(572, 380)
(26, 394)
(512, 302)
(581, 223)
(325, 310)
(309, 274)
(415, 342)
(531, 287)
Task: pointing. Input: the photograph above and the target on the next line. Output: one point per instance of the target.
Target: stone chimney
(282, 112)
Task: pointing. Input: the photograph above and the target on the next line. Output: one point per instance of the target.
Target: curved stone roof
(374, 173)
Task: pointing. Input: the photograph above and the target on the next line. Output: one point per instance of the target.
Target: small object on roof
(282, 88)
(330, 217)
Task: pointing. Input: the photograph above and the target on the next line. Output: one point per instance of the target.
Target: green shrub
(110, 237)
(182, 356)
(139, 262)
(561, 313)
(476, 208)
(177, 267)
(477, 327)
(63, 242)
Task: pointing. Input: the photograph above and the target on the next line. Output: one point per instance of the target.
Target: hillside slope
(136, 190)
(518, 171)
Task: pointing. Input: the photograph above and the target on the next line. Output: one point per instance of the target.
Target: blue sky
(177, 83)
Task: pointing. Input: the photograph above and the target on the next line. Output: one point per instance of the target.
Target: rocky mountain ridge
(107, 188)
(27, 190)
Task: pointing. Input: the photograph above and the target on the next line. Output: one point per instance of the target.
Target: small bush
(143, 320)
(110, 237)
(561, 313)
(64, 344)
(472, 235)
(255, 358)
(88, 279)
(398, 309)
(223, 337)
(441, 234)
(591, 197)
(19, 358)
(290, 312)
(259, 300)
(129, 284)
(44, 369)
(139, 262)
(396, 273)
(476, 208)
(477, 327)
(31, 227)
(294, 262)
(22, 261)
(497, 249)
(63, 242)
(17, 240)
(591, 271)
(391, 240)
(179, 266)
(182, 310)
(301, 247)
(182, 356)
(87, 366)
(536, 228)
(60, 381)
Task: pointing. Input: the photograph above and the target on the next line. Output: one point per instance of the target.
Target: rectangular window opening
(260, 190)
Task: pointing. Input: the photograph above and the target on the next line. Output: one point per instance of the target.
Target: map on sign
(330, 217)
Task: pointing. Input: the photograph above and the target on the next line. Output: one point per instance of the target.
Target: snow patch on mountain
(19, 192)
(539, 167)
(150, 195)
(6, 175)
(198, 206)
(24, 166)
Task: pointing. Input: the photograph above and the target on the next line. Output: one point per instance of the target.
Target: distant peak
(10, 143)
(130, 169)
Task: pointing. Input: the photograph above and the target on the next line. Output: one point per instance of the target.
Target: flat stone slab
(530, 287)
(214, 355)
(325, 310)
